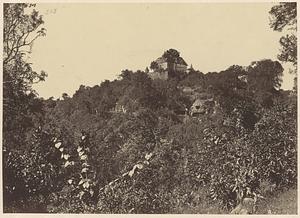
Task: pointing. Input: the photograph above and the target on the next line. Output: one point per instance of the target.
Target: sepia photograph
(149, 108)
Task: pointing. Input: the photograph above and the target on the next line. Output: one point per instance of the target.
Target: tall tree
(265, 75)
(171, 55)
(264, 78)
(22, 110)
(284, 17)
(21, 27)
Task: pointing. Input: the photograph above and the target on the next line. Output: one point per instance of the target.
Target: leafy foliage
(284, 17)
(130, 146)
(22, 110)
(171, 55)
(284, 14)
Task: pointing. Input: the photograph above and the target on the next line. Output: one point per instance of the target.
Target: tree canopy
(132, 145)
(20, 30)
(171, 55)
(284, 17)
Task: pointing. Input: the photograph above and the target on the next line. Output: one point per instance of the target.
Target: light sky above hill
(88, 43)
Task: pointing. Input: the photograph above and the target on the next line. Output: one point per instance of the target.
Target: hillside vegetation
(129, 146)
(221, 142)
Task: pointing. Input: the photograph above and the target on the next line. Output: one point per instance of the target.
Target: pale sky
(88, 43)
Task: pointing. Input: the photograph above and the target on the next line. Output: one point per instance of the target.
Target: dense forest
(133, 145)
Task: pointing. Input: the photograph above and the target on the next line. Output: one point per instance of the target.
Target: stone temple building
(164, 67)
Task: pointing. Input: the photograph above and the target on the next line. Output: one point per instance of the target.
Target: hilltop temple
(168, 65)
